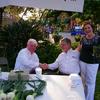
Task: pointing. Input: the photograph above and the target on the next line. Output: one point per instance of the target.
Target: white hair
(33, 41)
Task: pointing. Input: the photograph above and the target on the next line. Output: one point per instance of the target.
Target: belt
(60, 73)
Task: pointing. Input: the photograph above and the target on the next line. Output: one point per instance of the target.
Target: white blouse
(67, 62)
(25, 61)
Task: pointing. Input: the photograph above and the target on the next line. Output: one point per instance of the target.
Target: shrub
(48, 52)
(57, 38)
(16, 36)
(74, 45)
(77, 38)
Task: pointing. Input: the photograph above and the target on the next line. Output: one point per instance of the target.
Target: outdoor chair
(3, 56)
(4, 64)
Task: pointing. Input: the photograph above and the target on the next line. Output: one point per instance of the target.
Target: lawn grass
(97, 92)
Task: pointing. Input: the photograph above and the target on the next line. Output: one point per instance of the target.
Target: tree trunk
(1, 13)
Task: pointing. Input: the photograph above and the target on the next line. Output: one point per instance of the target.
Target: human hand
(79, 47)
(44, 66)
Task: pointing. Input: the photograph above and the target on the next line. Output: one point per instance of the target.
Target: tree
(92, 10)
(1, 13)
(14, 11)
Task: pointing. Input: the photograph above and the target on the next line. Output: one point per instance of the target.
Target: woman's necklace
(90, 36)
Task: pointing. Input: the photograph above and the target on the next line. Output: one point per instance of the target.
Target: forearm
(53, 65)
(79, 47)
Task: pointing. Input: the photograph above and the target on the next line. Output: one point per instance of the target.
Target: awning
(64, 5)
(4, 3)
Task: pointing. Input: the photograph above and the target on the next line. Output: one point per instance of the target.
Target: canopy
(4, 3)
(64, 5)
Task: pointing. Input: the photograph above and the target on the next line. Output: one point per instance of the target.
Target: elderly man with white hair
(27, 60)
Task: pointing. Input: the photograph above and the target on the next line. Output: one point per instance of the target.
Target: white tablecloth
(57, 88)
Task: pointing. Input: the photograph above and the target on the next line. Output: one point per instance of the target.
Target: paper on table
(75, 80)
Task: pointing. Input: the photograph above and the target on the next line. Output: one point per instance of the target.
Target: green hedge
(15, 36)
(48, 52)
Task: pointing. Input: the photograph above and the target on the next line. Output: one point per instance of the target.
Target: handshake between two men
(44, 66)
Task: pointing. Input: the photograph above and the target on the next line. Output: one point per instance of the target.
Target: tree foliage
(92, 10)
(15, 36)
